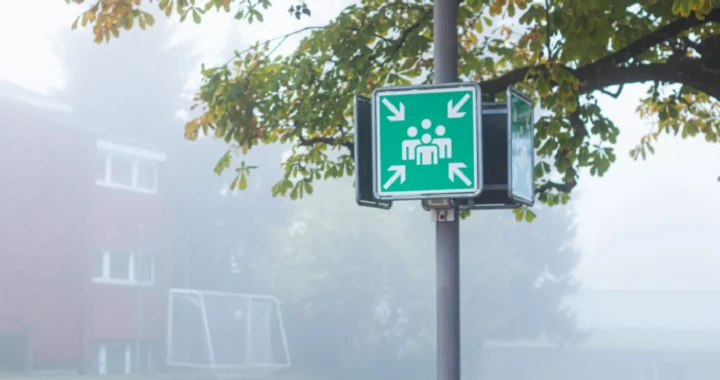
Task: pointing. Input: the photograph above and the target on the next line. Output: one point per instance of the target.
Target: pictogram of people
(427, 153)
(443, 143)
(408, 146)
(426, 150)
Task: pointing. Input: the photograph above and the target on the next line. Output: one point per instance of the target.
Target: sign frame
(360, 131)
(512, 92)
(478, 153)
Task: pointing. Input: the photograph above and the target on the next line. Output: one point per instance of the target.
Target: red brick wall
(45, 190)
(114, 308)
(54, 220)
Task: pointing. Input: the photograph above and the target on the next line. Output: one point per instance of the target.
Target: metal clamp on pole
(441, 210)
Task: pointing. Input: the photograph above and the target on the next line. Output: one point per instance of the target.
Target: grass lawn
(40, 376)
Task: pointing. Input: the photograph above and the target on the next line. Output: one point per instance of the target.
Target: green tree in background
(359, 283)
(134, 102)
(564, 53)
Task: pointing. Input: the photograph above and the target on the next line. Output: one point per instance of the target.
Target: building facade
(84, 260)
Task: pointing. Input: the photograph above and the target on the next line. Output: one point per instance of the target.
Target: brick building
(84, 259)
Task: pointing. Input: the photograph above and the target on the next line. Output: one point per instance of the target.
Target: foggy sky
(644, 225)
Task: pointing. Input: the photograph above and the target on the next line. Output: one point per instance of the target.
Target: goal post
(233, 333)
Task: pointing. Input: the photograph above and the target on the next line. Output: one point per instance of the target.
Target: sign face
(427, 141)
(521, 153)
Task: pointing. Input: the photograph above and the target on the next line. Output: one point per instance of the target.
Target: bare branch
(562, 187)
(550, 52)
(281, 38)
(616, 94)
(327, 141)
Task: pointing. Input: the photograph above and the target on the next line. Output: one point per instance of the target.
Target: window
(121, 170)
(128, 168)
(146, 176)
(122, 357)
(144, 265)
(114, 359)
(125, 268)
(119, 266)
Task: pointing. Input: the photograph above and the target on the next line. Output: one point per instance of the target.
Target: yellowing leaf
(149, 19)
(242, 184)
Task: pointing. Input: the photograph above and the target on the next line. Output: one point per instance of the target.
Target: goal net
(225, 333)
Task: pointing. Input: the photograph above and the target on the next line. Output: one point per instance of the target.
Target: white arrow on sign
(399, 114)
(399, 173)
(453, 112)
(454, 171)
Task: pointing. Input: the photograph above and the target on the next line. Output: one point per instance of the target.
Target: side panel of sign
(521, 148)
(364, 166)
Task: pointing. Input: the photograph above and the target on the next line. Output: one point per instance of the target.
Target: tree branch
(565, 187)
(331, 141)
(500, 84)
(281, 38)
(607, 71)
(613, 70)
(327, 141)
(550, 51)
(687, 71)
(649, 40)
(400, 41)
(616, 94)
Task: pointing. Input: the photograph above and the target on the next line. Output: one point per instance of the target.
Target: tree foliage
(563, 53)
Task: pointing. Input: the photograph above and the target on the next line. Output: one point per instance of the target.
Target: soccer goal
(225, 333)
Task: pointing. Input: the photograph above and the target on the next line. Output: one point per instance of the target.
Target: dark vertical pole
(136, 262)
(447, 233)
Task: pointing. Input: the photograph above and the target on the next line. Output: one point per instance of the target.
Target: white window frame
(136, 156)
(105, 278)
(102, 360)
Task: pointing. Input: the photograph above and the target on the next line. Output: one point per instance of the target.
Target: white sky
(644, 225)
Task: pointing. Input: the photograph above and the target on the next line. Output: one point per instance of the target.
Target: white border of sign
(433, 194)
(512, 92)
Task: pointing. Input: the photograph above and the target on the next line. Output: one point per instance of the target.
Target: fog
(124, 254)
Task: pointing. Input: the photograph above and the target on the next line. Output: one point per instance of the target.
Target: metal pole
(134, 260)
(447, 225)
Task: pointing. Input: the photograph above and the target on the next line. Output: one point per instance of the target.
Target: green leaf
(519, 214)
(196, 16)
(242, 184)
(223, 163)
(149, 19)
(529, 216)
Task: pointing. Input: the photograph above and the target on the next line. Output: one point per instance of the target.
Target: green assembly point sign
(522, 151)
(427, 141)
